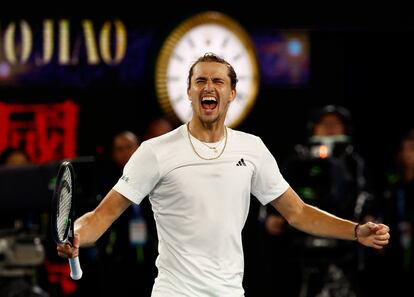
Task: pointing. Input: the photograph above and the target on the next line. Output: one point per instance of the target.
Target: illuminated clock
(206, 32)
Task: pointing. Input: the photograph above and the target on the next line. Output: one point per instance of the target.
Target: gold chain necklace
(215, 148)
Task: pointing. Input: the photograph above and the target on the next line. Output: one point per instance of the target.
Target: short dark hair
(211, 57)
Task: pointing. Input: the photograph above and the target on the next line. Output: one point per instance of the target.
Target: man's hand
(373, 235)
(68, 250)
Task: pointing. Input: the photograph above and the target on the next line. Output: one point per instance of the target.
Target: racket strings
(64, 207)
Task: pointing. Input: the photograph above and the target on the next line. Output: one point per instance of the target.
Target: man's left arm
(315, 221)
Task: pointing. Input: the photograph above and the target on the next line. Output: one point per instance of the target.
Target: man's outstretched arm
(318, 222)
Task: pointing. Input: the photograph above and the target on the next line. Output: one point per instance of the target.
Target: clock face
(206, 32)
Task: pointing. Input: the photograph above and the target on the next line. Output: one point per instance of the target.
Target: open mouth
(209, 103)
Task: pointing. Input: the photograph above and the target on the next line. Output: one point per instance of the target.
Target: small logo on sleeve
(241, 162)
(125, 178)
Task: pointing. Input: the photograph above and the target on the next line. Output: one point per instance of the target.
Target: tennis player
(199, 178)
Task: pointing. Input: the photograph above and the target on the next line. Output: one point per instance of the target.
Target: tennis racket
(63, 215)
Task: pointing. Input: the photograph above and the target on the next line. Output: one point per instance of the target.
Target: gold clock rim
(207, 17)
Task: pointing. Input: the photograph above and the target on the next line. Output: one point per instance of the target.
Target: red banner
(45, 131)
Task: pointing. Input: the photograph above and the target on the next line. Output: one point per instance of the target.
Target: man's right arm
(93, 224)
(90, 226)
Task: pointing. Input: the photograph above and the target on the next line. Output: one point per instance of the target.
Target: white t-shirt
(200, 207)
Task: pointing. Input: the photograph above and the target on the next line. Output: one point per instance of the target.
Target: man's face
(210, 92)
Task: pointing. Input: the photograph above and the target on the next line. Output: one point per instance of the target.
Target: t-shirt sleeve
(267, 183)
(140, 174)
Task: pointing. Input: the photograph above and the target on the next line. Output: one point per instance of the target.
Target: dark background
(361, 58)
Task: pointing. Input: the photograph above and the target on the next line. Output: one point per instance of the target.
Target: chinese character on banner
(45, 131)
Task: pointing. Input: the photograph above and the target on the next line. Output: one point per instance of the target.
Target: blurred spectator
(399, 214)
(328, 173)
(13, 157)
(157, 127)
(124, 145)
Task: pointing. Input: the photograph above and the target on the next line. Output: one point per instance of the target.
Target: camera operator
(328, 173)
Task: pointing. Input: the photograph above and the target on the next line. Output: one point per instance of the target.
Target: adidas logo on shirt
(241, 163)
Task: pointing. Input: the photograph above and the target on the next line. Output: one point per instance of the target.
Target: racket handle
(75, 269)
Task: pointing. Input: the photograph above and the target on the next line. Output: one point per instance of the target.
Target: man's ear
(233, 95)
